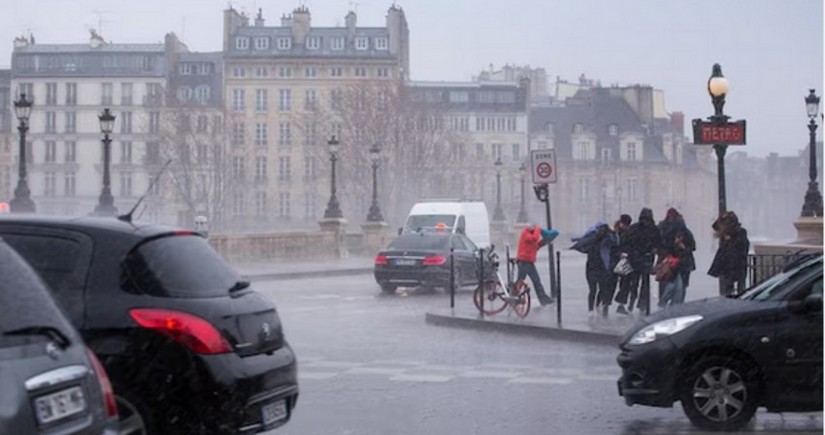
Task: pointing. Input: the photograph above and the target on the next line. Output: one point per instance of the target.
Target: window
(238, 97)
(185, 68)
(202, 94)
(71, 94)
(202, 154)
(631, 151)
(51, 94)
(505, 97)
(284, 134)
(261, 71)
(337, 43)
(309, 205)
(285, 99)
(50, 152)
(310, 72)
(632, 189)
(154, 122)
(583, 189)
(70, 154)
(126, 122)
(70, 125)
(260, 204)
(261, 43)
(479, 150)
(184, 93)
(284, 168)
(310, 133)
(381, 44)
(239, 72)
(241, 43)
(283, 205)
(49, 188)
(69, 184)
(51, 122)
(613, 130)
(382, 72)
(152, 153)
(605, 154)
(202, 124)
(485, 97)
(361, 43)
(310, 99)
(238, 129)
(106, 94)
(496, 151)
(336, 71)
(126, 94)
(459, 96)
(584, 150)
(238, 167)
(284, 72)
(261, 100)
(238, 205)
(261, 133)
(309, 168)
(260, 168)
(284, 43)
(360, 71)
(126, 184)
(335, 99)
(126, 152)
(313, 43)
(204, 68)
(28, 89)
(516, 152)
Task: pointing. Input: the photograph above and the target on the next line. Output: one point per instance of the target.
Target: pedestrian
(730, 264)
(597, 245)
(641, 242)
(618, 278)
(532, 238)
(669, 227)
(669, 272)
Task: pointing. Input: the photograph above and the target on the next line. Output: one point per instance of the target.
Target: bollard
(558, 288)
(452, 278)
(481, 282)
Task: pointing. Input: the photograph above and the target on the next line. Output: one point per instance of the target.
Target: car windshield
(420, 242)
(429, 222)
(771, 289)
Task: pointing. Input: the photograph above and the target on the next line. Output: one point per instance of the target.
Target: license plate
(405, 262)
(272, 412)
(59, 405)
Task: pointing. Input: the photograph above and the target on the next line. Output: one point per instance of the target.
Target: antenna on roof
(128, 216)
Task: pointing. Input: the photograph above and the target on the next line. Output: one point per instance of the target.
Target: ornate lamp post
(333, 208)
(813, 198)
(106, 202)
(22, 201)
(718, 88)
(374, 214)
(498, 214)
(522, 213)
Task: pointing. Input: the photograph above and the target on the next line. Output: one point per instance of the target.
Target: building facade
(8, 134)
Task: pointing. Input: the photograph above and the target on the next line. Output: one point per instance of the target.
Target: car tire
(134, 417)
(720, 393)
(388, 289)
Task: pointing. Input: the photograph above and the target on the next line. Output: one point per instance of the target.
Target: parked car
(423, 259)
(189, 346)
(722, 358)
(49, 380)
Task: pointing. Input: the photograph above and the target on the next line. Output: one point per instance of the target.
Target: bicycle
(498, 295)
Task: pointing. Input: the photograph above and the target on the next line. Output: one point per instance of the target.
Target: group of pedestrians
(626, 255)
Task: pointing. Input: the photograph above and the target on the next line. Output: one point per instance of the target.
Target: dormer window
(284, 43)
(185, 68)
(261, 43)
(242, 43)
(381, 43)
(337, 43)
(313, 43)
(613, 130)
(578, 127)
(361, 43)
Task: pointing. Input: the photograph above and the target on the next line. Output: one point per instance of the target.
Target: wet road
(368, 364)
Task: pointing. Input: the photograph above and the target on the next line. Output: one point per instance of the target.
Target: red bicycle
(498, 295)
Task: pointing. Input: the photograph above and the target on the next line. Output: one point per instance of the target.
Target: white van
(467, 217)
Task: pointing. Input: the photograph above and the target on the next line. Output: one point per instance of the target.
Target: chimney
(677, 122)
(300, 24)
(232, 20)
(350, 21)
(286, 20)
(259, 19)
(95, 40)
(21, 42)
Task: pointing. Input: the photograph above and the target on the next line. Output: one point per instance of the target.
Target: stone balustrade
(294, 245)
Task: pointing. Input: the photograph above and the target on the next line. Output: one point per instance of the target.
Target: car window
(177, 266)
(422, 242)
(457, 244)
(461, 226)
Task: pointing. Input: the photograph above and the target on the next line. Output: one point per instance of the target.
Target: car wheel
(720, 393)
(133, 415)
(388, 289)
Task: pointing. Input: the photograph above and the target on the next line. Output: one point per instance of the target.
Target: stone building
(513, 73)
(8, 136)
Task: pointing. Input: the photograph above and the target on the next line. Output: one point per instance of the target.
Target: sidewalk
(575, 325)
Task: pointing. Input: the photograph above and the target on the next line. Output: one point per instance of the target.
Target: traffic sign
(543, 164)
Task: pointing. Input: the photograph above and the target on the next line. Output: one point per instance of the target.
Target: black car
(190, 347)
(423, 259)
(722, 358)
(49, 381)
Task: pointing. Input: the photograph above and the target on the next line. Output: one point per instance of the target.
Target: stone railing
(306, 245)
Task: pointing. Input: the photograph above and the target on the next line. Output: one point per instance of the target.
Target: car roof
(90, 224)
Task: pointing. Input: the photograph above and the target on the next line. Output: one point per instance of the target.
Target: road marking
(598, 377)
(399, 361)
(542, 381)
(421, 378)
(487, 374)
(375, 371)
(331, 364)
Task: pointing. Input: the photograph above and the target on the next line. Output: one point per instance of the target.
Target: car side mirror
(811, 304)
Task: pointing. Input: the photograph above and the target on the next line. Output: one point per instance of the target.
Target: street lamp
(22, 201)
(813, 199)
(106, 202)
(498, 215)
(718, 88)
(374, 214)
(333, 208)
(522, 213)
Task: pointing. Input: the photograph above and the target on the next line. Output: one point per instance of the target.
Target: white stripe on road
(331, 364)
(487, 374)
(541, 381)
(421, 378)
(375, 371)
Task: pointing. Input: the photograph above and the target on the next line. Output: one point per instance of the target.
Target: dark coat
(640, 242)
(670, 229)
(731, 257)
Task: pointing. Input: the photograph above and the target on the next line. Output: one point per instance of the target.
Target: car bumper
(648, 374)
(434, 276)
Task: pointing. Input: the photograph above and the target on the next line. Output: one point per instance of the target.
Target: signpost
(543, 170)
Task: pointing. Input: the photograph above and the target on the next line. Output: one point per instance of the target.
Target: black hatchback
(723, 358)
(190, 347)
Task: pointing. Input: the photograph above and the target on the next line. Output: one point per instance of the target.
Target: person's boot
(605, 310)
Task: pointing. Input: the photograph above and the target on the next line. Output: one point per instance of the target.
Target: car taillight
(436, 260)
(194, 333)
(381, 259)
(105, 385)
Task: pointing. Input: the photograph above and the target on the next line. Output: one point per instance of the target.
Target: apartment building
(8, 137)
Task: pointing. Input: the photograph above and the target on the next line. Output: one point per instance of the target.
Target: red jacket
(528, 244)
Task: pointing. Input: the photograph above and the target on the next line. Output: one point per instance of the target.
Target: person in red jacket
(532, 238)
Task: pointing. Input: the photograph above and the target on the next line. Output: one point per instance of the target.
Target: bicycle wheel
(493, 294)
(522, 306)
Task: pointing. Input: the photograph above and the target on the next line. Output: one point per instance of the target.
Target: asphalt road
(368, 364)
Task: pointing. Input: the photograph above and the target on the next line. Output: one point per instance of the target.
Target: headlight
(663, 328)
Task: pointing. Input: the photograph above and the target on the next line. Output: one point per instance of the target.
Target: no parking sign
(543, 164)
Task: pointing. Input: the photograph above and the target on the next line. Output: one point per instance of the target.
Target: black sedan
(423, 259)
(723, 358)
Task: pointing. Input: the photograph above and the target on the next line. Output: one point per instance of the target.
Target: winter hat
(625, 219)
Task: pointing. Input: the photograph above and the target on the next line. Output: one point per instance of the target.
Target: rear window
(178, 266)
(429, 221)
(420, 242)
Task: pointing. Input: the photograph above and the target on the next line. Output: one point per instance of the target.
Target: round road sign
(544, 170)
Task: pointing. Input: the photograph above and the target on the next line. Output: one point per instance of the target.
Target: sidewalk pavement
(576, 324)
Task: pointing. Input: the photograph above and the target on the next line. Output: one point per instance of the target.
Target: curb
(277, 276)
(558, 333)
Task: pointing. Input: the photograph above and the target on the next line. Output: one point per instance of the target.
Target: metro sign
(713, 133)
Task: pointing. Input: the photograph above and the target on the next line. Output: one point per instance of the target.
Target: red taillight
(105, 385)
(381, 259)
(196, 334)
(436, 260)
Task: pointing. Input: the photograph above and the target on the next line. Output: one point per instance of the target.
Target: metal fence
(764, 266)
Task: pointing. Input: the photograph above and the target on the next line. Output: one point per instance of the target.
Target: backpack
(666, 268)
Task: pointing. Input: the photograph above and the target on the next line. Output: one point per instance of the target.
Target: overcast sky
(771, 51)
